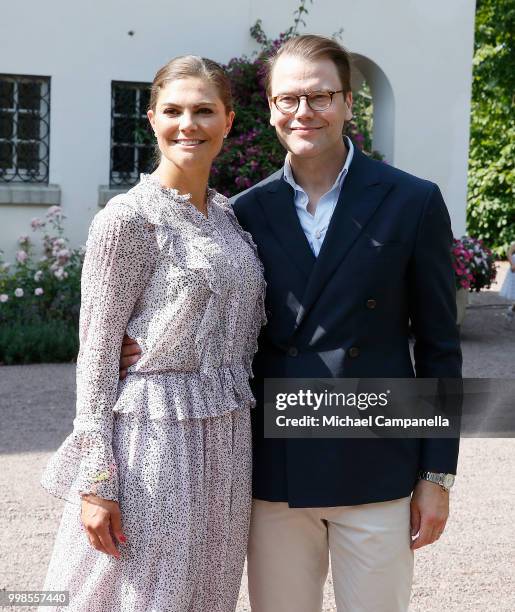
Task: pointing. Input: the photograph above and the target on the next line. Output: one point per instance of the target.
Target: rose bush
(473, 263)
(40, 295)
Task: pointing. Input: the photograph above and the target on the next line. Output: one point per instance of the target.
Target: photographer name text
(368, 421)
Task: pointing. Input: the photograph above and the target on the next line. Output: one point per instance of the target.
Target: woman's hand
(102, 518)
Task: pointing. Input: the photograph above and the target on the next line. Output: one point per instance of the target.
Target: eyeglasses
(316, 100)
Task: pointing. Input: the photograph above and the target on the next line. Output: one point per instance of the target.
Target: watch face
(448, 481)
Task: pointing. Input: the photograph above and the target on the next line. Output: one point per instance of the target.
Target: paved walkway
(472, 568)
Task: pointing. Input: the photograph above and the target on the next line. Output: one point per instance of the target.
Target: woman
(162, 460)
(508, 287)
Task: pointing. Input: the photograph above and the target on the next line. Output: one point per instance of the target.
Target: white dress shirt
(315, 226)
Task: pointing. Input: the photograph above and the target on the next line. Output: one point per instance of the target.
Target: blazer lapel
(361, 194)
(279, 208)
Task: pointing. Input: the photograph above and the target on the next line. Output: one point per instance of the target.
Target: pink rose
(22, 256)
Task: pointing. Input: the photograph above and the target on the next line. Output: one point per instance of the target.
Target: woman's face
(190, 122)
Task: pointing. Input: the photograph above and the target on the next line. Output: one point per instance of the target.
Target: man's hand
(429, 512)
(131, 352)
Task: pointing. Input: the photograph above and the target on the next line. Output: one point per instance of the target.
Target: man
(353, 250)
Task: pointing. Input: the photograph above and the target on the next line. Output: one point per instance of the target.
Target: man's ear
(348, 106)
(271, 107)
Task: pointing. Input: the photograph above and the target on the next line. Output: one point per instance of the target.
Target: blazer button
(293, 351)
(371, 304)
(353, 351)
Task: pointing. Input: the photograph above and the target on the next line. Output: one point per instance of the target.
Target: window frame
(17, 173)
(128, 178)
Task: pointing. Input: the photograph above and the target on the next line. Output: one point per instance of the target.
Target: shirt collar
(288, 174)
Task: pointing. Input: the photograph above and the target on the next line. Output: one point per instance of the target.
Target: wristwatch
(444, 480)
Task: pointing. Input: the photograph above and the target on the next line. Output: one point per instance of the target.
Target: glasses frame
(306, 95)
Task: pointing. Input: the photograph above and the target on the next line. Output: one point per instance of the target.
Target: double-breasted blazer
(385, 262)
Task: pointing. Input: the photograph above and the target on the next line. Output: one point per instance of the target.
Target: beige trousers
(371, 559)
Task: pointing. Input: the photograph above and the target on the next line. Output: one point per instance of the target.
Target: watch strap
(444, 480)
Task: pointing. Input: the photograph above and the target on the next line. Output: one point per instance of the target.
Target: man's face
(307, 133)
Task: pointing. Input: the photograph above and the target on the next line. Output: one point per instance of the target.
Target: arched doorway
(364, 69)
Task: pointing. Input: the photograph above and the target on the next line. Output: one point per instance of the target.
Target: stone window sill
(30, 194)
(105, 193)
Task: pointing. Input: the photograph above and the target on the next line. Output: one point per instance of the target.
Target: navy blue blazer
(385, 261)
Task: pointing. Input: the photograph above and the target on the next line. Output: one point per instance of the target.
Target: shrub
(40, 342)
(40, 296)
(473, 263)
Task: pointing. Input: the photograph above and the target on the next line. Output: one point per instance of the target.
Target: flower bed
(40, 296)
(473, 263)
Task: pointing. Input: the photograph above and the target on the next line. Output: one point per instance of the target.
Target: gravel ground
(472, 568)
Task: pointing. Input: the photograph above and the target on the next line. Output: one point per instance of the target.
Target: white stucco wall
(423, 50)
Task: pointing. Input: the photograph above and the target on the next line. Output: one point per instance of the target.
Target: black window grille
(132, 143)
(24, 128)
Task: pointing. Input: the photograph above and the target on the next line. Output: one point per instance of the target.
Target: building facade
(73, 76)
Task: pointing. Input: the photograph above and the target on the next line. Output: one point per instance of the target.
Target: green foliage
(269, 44)
(491, 210)
(38, 342)
(360, 128)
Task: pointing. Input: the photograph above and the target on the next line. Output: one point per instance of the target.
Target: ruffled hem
(83, 464)
(178, 396)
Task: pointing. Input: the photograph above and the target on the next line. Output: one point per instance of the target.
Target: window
(24, 128)
(132, 148)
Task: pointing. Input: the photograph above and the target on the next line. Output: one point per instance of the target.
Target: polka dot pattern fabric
(171, 442)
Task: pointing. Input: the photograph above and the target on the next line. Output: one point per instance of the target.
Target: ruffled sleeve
(119, 259)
